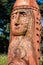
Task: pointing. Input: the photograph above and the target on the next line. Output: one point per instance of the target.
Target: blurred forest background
(5, 11)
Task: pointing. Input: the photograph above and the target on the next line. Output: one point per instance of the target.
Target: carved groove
(37, 34)
(37, 41)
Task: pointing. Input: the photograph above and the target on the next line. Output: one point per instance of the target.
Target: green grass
(41, 60)
(3, 60)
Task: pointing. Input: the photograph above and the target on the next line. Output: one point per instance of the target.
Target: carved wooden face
(19, 21)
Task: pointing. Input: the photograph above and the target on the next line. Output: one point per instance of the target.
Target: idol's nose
(16, 24)
(17, 21)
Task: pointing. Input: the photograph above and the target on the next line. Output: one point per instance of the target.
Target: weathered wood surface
(25, 34)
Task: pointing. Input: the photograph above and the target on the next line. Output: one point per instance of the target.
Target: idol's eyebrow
(18, 12)
(14, 13)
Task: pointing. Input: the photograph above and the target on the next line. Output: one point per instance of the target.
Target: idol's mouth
(17, 27)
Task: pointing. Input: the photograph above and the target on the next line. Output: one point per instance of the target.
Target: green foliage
(5, 11)
(41, 60)
(40, 5)
(42, 31)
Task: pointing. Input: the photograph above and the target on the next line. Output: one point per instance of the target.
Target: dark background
(5, 11)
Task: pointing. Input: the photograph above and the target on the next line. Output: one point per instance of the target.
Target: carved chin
(18, 33)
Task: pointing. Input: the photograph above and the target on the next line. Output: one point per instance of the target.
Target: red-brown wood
(25, 33)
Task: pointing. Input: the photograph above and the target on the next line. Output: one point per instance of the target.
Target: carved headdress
(26, 4)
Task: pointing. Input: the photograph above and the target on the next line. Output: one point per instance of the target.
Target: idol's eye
(23, 13)
(14, 15)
